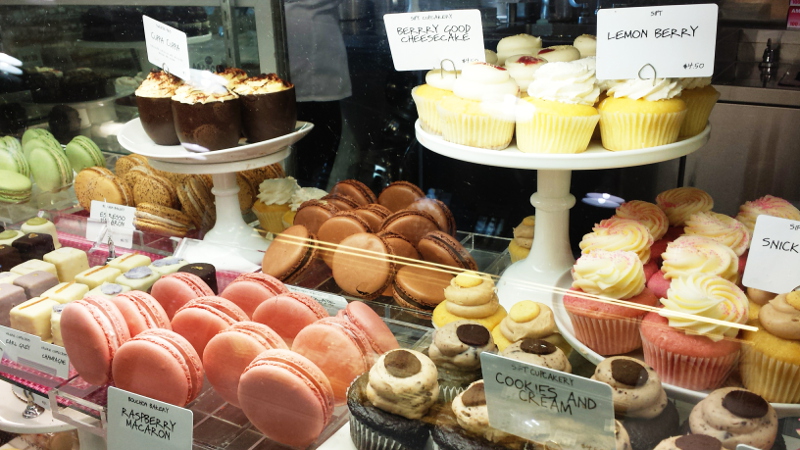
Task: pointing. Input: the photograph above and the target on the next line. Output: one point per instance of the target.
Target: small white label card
(548, 406)
(774, 255)
(331, 302)
(55, 358)
(433, 39)
(20, 347)
(136, 422)
(665, 41)
(118, 221)
(166, 47)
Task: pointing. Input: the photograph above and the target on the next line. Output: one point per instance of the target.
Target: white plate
(134, 139)
(565, 326)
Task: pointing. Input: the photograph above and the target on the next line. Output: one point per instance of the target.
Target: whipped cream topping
(409, 396)
(694, 82)
(643, 401)
(536, 325)
(277, 191)
(721, 228)
(262, 84)
(769, 205)
(303, 194)
(519, 44)
(662, 89)
(159, 84)
(447, 351)
(711, 418)
(192, 95)
(648, 214)
(472, 414)
(619, 234)
(482, 81)
(688, 255)
(616, 274)
(522, 68)
(565, 82)
(682, 202)
(559, 53)
(780, 318)
(442, 79)
(706, 296)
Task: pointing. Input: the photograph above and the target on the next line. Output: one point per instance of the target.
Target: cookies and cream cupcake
(688, 442)
(735, 416)
(538, 352)
(438, 85)
(269, 107)
(155, 107)
(700, 98)
(456, 350)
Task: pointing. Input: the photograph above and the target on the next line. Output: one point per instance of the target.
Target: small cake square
(67, 292)
(127, 262)
(139, 278)
(8, 277)
(97, 275)
(168, 265)
(10, 296)
(33, 265)
(55, 325)
(34, 246)
(33, 316)
(9, 236)
(109, 290)
(35, 283)
(9, 257)
(68, 261)
(206, 272)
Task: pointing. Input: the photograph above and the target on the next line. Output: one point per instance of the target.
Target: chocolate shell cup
(270, 115)
(212, 125)
(155, 113)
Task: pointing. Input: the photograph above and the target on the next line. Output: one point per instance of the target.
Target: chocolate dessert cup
(269, 115)
(155, 114)
(214, 125)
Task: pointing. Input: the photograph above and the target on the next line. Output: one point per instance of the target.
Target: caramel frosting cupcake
(538, 352)
(456, 351)
(636, 387)
(472, 413)
(526, 319)
(697, 254)
(520, 246)
(470, 296)
(269, 107)
(690, 442)
(403, 382)
(616, 234)
(155, 108)
(682, 202)
(721, 228)
(735, 416)
(768, 205)
(781, 316)
(648, 214)
(210, 120)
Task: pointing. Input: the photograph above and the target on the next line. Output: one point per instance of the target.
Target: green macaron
(52, 169)
(14, 187)
(82, 152)
(10, 142)
(12, 159)
(43, 141)
(32, 133)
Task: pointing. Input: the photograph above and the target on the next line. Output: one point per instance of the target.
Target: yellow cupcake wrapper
(698, 110)
(476, 131)
(550, 133)
(271, 220)
(428, 112)
(768, 377)
(630, 131)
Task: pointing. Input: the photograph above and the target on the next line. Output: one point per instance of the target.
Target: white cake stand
(551, 256)
(230, 228)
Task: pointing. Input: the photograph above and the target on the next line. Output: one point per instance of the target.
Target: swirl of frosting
(396, 388)
(697, 254)
(479, 81)
(528, 319)
(649, 214)
(471, 301)
(712, 417)
(538, 352)
(635, 89)
(614, 274)
(769, 205)
(191, 95)
(277, 191)
(262, 84)
(442, 79)
(305, 193)
(682, 202)
(619, 234)
(523, 233)
(781, 317)
(565, 82)
(705, 296)
(449, 351)
(694, 82)
(721, 228)
(636, 387)
(472, 414)
(159, 84)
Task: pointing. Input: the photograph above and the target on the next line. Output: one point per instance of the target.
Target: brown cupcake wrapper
(630, 131)
(550, 133)
(607, 336)
(768, 377)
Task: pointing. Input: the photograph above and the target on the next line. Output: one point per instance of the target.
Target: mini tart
(545, 126)
(627, 124)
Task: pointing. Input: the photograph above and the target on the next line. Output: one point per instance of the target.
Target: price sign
(55, 358)
(116, 220)
(671, 41)
(166, 47)
(136, 422)
(548, 406)
(774, 255)
(331, 302)
(425, 40)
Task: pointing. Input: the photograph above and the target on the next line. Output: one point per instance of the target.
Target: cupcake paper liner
(476, 130)
(688, 371)
(270, 216)
(428, 112)
(768, 377)
(630, 131)
(449, 390)
(550, 133)
(365, 438)
(607, 336)
(698, 110)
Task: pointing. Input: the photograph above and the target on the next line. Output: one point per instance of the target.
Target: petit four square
(35, 283)
(55, 325)
(32, 265)
(166, 266)
(33, 317)
(9, 257)
(42, 226)
(34, 246)
(139, 278)
(97, 275)
(10, 296)
(68, 261)
(109, 290)
(127, 262)
(9, 236)
(8, 277)
(206, 272)
(67, 292)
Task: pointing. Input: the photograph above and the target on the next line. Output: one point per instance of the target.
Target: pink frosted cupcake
(689, 352)
(621, 234)
(768, 205)
(608, 328)
(688, 255)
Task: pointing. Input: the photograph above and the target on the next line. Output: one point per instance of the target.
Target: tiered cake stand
(230, 228)
(551, 256)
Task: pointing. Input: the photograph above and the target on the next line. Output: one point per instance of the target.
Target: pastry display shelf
(551, 255)
(230, 228)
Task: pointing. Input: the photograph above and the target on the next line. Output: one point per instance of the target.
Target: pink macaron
(159, 364)
(287, 314)
(93, 329)
(378, 333)
(340, 349)
(176, 289)
(248, 290)
(141, 311)
(287, 397)
(231, 350)
(200, 319)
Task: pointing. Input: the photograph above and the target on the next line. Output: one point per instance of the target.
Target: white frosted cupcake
(559, 53)
(522, 68)
(274, 197)
(586, 45)
(438, 85)
(519, 44)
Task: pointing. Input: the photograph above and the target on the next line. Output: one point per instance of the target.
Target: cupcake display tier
(551, 255)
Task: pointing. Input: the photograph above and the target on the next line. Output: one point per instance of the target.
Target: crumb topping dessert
(262, 84)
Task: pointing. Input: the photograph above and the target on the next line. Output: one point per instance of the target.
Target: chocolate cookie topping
(629, 372)
(698, 442)
(402, 364)
(745, 404)
(537, 346)
(474, 396)
(473, 334)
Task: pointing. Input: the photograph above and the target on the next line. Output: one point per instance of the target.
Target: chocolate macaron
(411, 224)
(363, 265)
(313, 213)
(355, 190)
(440, 248)
(290, 254)
(338, 227)
(420, 287)
(399, 195)
(440, 212)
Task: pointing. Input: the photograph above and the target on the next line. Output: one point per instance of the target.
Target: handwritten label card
(166, 47)
(423, 40)
(774, 255)
(117, 220)
(29, 350)
(548, 406)
(136, 422)
(678, 41)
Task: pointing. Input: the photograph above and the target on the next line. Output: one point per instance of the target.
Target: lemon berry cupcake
(520, 246)
(700, 98)
(438, 85)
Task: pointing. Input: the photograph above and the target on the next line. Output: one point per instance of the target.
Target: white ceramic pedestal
(551, 256)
